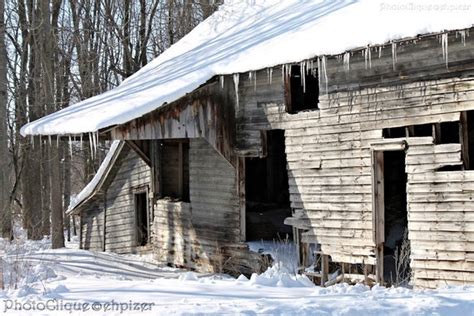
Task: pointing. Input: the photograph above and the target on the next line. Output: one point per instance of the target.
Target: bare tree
(5, 213)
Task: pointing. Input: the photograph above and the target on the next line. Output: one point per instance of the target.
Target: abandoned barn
(365, 159)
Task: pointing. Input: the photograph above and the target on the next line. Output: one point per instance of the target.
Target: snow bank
(250, 35)
(72, 276)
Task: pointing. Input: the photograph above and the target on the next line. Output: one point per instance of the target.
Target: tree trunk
(5, 213)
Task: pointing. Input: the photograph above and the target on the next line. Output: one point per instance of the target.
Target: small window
(301, 90)
(141, 211)
(422, 130)
(394, 132)
(175, 170)
(447, 133)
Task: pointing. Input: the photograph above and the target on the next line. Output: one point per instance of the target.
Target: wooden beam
(180, 169)
(378, 206)
(139, 151)
(242, 198)
(324, 269)
(464, 140)
(105, 219)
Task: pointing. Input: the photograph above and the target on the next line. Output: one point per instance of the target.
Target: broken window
(301, 90)
(141, 211)
(175, 170)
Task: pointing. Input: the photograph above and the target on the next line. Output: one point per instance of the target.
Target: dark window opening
(396, 217)
(447, 133)
(443, 133)
(175, 170)
(267, 192)
(141, 211)
(394, 132)
(302, 90)
(423, 130)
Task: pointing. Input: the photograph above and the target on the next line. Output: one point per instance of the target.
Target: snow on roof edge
(237, 39)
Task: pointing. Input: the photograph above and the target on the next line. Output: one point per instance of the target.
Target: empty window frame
(301, 90)
(443, 133)
(175, 170)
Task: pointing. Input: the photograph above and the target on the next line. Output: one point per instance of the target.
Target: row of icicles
(307, 66)
(93, 143)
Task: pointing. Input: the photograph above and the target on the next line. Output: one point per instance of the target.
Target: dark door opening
(141, 210)
(267, 192)
(394, 246)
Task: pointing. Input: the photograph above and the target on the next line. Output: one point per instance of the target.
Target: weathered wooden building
(364, 158)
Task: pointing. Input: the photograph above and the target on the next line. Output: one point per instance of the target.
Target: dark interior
(267, 192)
(141, 208)
(395, 205)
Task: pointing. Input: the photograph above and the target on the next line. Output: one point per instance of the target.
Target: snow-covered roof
(98, 178)
(248, 35)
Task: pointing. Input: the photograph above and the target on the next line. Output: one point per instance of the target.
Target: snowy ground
(73, 281)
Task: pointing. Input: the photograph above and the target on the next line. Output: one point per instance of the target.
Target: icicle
(250, 76)
(91, 146)
(270, 75)
(380, 52)
(221, 80)
(394, 55)
(95, 138)
(255, 81)
(70, 146)
(283, 73)
(444, 46)
(463, 37)
(346, 60)
(57, 141)
(324, 70)
(81, 141)
(236, 87)
(49, 140)
(368, 57)
(303, 75)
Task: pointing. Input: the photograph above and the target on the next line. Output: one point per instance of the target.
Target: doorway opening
(141, 211)
(267, 192)
(392, 219)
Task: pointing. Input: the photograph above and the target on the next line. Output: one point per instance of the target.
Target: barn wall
(198, 233)
(329, 151)
(129, 173)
